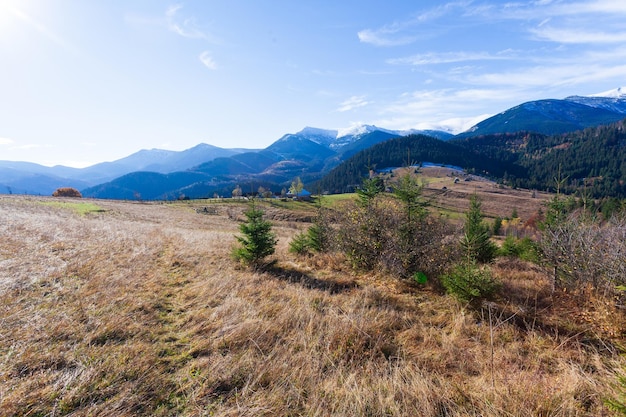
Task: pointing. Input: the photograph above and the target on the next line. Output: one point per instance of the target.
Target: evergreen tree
(257, 241)
(370, 188)
(476, 240)
(409, 191)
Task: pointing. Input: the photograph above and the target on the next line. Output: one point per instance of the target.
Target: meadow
(114, 308)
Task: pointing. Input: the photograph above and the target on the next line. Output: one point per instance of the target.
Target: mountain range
(311, 154)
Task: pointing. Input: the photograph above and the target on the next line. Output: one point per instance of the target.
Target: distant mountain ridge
(553, 116)
(306, 154)
(18, 177)
(311, 153)
(593, 160)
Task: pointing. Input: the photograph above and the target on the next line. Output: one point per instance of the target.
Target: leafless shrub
(586, 252)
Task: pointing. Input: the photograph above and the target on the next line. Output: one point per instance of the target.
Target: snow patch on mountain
(619, 92)
(314, 131)
(612, 100)
(360, 130)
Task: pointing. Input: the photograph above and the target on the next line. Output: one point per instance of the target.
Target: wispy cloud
(578, 35)
(207, 60)
(353, 103)
(554, 76)
(384, 37)
(556, 21)
(406, 31)
(185, 26)
(448, 109)
(431, 58)
(5, 141)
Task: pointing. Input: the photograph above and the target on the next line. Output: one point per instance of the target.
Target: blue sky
(83, 82)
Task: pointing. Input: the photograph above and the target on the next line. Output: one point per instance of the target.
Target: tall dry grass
(138, 310)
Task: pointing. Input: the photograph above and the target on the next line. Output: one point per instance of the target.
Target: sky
(83, 82)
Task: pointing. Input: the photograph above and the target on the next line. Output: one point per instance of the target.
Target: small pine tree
(409, 191)
(476, 241)
(257, 242)
(470, 283)
(496, 228)
(316, 238)
(369, 189)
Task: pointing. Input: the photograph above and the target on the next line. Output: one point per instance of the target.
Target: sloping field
(129, 309)
(449, 190)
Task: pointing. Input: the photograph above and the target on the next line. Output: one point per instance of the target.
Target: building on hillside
(303, 195)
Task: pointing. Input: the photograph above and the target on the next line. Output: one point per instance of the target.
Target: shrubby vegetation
(67, 192)
(584, 250)
(469, 281)
(393, 232)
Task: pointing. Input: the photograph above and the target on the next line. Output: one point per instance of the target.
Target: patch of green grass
(80, 208)
(447, 213)
(290, 204)
(333, 199)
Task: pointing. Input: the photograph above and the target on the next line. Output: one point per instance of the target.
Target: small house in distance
(303, 195)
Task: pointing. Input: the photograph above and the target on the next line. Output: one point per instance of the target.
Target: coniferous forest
(590, 162)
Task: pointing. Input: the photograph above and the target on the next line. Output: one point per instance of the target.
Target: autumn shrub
(67, 192)
(377, 237)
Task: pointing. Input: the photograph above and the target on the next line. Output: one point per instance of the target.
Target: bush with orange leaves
(67, 192)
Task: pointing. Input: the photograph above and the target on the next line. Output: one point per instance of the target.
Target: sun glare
(15, 16)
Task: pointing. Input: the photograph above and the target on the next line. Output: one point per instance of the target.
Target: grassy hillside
(129, 309)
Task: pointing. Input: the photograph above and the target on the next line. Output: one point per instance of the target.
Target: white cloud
(186, 27)
(353, 103)
(407, 31)
(5, 141)
(207, 60)
(578, 35)
(551, 75)
(383, 38)
(452, 110)
(447, 58)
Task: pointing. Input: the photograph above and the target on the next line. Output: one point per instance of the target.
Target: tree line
(592, 160)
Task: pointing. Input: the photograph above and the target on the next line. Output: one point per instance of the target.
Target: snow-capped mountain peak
(360, 129)
(314, 131)
(619, 92)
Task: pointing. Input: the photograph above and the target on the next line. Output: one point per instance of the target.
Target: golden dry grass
(137, 310)
(497, 200)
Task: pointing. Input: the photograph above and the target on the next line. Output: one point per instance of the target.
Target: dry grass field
(135, 309)
(452, 196)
